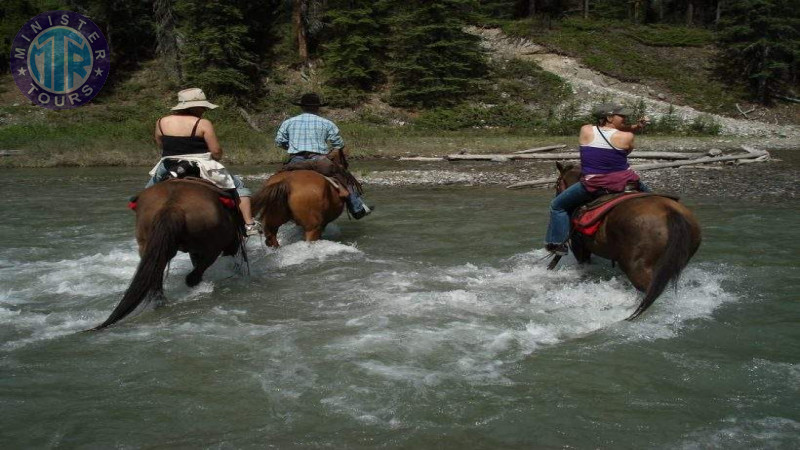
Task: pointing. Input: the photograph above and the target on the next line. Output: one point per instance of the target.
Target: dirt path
(590, 86)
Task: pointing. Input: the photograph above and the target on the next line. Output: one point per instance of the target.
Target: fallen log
(10, 152)
(540, 149)
(642, 167)
(421, 158)
(570, 155)
(705, 160)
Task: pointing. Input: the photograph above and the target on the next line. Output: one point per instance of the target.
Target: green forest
(418, 59)
(417, 49)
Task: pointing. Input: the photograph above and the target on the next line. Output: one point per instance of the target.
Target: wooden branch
(10, 152)
(752, 150)
(705, 160)
(788, 99)
(570, 155)
(249, 119)
(538, 182)
(642, 167)
(745, 113)
(540, 149)
(421, 158)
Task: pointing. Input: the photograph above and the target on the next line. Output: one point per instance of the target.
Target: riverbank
(363, 143)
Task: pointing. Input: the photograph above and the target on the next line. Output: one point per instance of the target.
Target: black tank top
(182, 145)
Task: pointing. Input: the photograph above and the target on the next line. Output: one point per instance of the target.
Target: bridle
(561, 184)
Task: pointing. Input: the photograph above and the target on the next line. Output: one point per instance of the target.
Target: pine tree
(760, 41)
(216, 51)
(128, 26)
(167, 37)
(353, 52)
(13, 15)
(433, 61)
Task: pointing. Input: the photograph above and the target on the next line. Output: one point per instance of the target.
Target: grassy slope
(116, 129)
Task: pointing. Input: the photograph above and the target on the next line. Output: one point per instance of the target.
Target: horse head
(568, 174)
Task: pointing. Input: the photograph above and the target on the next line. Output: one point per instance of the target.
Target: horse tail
(148, 281)
(669, 267)
(272, 201)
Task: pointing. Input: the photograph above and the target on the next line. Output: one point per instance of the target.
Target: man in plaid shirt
(307, 137)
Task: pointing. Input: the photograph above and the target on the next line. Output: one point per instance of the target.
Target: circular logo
(60, 59)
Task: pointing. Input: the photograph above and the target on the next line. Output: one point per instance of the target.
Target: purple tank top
(599, 157)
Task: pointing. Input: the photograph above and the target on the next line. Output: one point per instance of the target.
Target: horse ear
(560, 166)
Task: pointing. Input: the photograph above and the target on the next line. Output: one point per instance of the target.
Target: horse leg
(200, 262)
(313, 235)
(271, 236)
(639, 273)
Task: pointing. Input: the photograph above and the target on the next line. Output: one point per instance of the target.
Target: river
(430, 324)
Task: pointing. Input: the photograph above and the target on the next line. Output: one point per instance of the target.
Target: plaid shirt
(308, 133)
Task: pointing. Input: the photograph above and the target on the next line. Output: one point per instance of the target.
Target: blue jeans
(354, 201)
(162, 173)
(563, 205)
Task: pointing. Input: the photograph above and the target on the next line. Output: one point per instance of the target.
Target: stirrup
(252, 229)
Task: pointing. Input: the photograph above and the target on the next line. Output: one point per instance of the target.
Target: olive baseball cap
(611, 109)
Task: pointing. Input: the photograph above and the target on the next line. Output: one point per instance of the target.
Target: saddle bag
(179, 168)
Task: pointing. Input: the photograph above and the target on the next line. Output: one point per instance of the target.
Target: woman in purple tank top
(604, 150)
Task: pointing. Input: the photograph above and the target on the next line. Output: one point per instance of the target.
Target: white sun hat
(192, 98)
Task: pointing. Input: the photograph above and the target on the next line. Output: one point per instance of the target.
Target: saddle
(587, 219)
(336, 173)
(227, 197)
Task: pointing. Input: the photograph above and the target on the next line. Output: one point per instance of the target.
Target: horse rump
(677, 253)
(148, 281)
(272, 201)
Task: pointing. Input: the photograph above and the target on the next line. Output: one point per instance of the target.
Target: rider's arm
(623, 140)
(334, 137)
(282, 137)
(587, 134)
(157, 135)
(638, 126)
(210, 137)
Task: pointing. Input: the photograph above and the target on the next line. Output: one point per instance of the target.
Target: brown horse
(187, 215)
(652, 238)
(303, 196)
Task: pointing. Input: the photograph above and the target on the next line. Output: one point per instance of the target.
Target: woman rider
(604, 150)
(185, 135)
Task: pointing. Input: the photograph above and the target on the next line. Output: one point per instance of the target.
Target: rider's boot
(356, 206)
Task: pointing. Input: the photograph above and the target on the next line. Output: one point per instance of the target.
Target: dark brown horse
(652, 238)
(303, 196)
(178, 215)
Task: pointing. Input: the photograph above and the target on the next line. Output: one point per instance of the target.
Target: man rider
(307, 136)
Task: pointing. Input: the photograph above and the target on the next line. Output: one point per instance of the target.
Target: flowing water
(430, 324)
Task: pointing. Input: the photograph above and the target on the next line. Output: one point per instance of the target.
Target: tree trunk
(585, 9)
(689, 13)
(298, 7)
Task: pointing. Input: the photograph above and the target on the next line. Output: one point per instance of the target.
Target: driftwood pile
(666, 159)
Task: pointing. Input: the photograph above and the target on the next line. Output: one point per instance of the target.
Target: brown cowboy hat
(310, 99)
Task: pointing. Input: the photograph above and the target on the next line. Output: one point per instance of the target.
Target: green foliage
(607, 47)
(128, 26)
(433, 62)
(355, 41)
(760, 45)
(670, 36)
(216, 54)
(525, 81)
(13, 14)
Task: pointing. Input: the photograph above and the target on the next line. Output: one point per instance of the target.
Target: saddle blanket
(588, 218)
